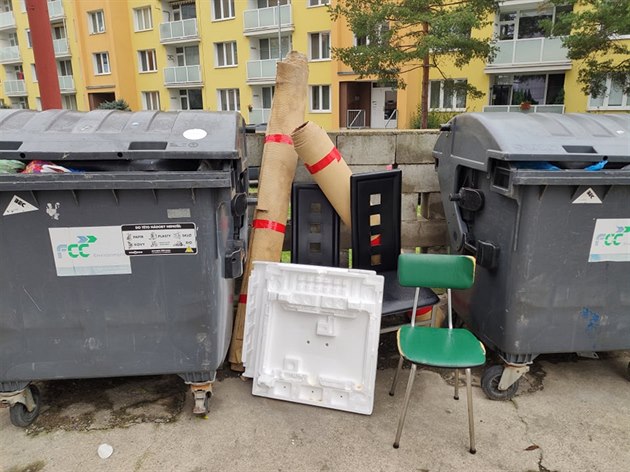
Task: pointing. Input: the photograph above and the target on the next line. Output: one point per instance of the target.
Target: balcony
(540, 53)
(9, 55)
(532, 109)
(261, 71)
(7, 20)
(184, 75)
(66, 84)
(259, 115)
(14, 88)
(179, 31)
(61, 47)
(55, 10)
(265, 20)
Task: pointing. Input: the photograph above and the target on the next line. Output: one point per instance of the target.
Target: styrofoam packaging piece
(311, 334)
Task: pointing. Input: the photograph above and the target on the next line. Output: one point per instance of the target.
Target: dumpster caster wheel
(490, 384)
(201, 394)
(19, 414)
(628, 372)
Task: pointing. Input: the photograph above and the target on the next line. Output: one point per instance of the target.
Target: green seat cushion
(440, 347)
(436, 270)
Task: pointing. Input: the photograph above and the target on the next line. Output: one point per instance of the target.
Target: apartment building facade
(222, 54)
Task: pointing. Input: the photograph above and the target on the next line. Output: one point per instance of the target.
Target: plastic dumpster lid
(112, 134)
(537, 137)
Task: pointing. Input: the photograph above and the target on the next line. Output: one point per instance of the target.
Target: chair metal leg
(471, 423)
(392, 390)
(456, 396)
(403, 413)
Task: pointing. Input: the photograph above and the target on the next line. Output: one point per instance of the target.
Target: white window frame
(29, 41)
(453, 104)
(149, 56)
(184, 93)
(229, 99)
(93, 22)
(69, 102)
(221, 53)
(151, 100)
(320, 35)
(142, 15)
(317, 3)
(13, 38)
(64, 73)
(321, 109)
(34, 73)
(625, 100)
(97, 60)
(223, 15)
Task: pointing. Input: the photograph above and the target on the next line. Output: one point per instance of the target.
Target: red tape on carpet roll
(273, 225)
(278, 138)
(332, 156)
(243, 299)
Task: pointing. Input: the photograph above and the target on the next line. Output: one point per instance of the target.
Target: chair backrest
(436, 270)
(375, 209)
(315, 227)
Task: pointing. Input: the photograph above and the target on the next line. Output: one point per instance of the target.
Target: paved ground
(570, 415)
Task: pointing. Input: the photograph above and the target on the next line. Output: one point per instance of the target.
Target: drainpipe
(43, 50)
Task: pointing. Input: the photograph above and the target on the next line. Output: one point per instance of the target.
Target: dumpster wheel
(18, 412)
(490, 384)
(628, 372)
(201, 396)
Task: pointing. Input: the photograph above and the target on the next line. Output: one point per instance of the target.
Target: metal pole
(44, 52)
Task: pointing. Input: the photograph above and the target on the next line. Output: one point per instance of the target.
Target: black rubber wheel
(490, 384)
(628, 372)
(18, 413)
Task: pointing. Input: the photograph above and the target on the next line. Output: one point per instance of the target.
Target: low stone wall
(423, 223)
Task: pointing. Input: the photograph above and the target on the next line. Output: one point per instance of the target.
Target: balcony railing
(14, 88)
(182, 75)
(178, 31)
(61, 47)
(259, 115)
(527, 51)
(9, 54)
(261, 70)
(7, 20)
(263, 19)
(55, 10)
(66, 84)
(531, 109)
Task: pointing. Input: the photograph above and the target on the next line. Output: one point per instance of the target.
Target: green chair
(437, 347)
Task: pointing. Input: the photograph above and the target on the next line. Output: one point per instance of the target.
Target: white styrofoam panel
(311, 334)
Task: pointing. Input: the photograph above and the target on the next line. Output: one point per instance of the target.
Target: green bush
(434, 119)
(115, 105)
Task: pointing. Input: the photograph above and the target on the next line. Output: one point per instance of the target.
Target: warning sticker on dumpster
(160, 239)
(611, 241)
(89, 250)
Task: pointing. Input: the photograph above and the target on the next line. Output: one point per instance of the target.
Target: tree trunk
(424, 100)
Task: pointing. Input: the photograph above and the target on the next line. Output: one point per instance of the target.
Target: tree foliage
(594, 42)
(398, 34)
(115, 105)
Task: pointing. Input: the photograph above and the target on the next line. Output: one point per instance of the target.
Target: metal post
(44, 52)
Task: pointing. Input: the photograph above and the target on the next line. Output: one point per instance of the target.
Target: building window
(151, 100)
(59, 32)
(267, 96)
(226, 54)
(34, 72)
(143, 19)
(229, 99)
(69, 102)
(537, 89)
(187, 56)
(268, 48)
(29, 42)
(270, 3)
(526, 24)
(316, 3)
(64, 68)
(20, 102)
(101, 63)
(13, 39)
(442, 96)
(222, 9)
(612, 98)
(96, 22)
(320, 98)
(147, 61)
(190, 99)
(19, 72)
(319, 46)
(184, 11)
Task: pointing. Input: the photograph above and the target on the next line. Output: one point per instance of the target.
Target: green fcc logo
(78, 249)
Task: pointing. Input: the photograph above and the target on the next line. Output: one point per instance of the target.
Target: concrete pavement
(570, 415)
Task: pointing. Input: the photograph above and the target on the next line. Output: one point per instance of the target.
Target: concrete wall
(423, 223)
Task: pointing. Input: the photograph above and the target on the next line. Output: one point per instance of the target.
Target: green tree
(120, 104)
(398, 36)
(594, 42)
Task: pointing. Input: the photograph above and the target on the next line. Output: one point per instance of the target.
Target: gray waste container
(127, 266)
(552, 239)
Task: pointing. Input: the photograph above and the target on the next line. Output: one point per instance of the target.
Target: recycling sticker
(160, 239)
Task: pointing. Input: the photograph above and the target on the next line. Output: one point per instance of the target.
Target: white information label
(160, 239)
(89, 250)
(611, 241)
(18, 205)
(589, 196)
